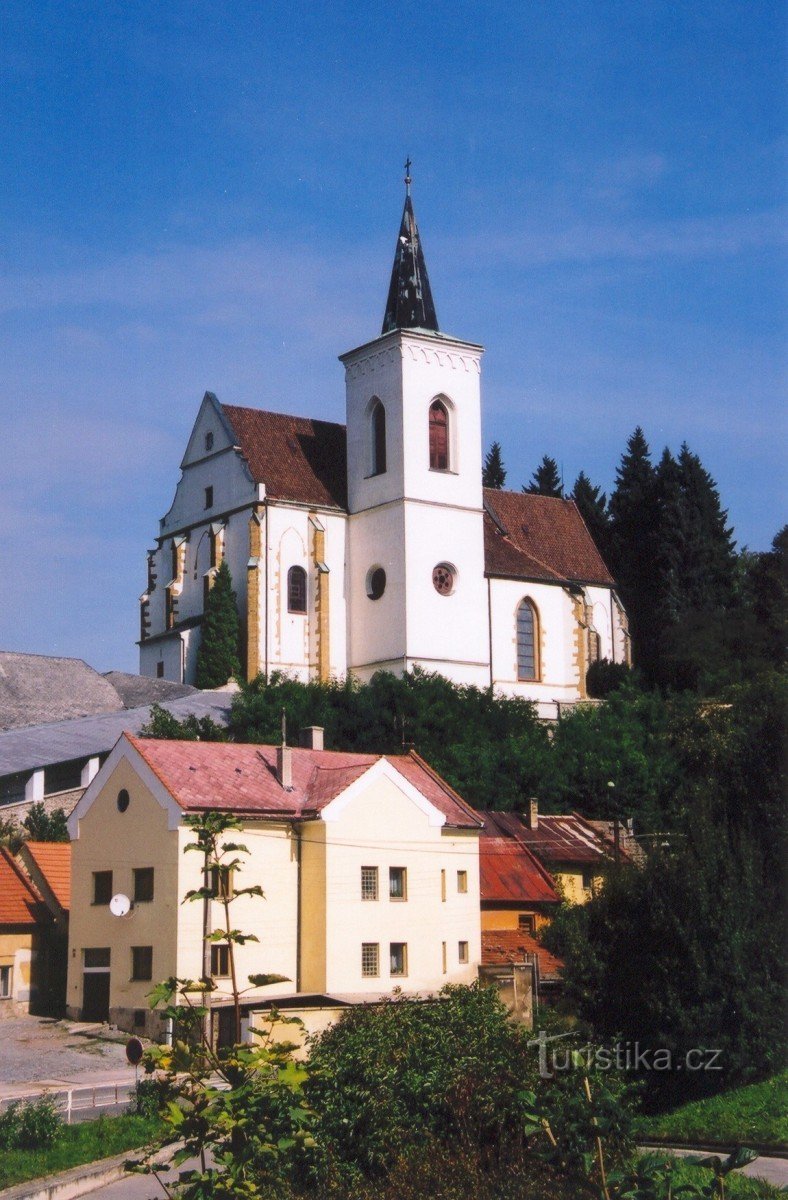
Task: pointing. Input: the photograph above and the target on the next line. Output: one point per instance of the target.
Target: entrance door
(95, 996)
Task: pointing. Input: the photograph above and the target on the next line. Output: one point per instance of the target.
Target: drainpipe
(489, 631)
(612, 627)
(297, 831)
(267, 518)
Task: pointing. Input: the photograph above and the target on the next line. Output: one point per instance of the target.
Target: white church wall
(376, 628)
(374, 372)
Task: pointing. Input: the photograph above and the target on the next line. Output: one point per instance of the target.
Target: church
(372, 546)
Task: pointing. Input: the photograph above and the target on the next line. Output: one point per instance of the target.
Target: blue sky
(206, 196)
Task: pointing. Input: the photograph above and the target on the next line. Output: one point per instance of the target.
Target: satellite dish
(120, 905)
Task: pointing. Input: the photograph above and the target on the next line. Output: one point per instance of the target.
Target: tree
(494, 472)
(217, 658)
(632, 542)
(162, 724)
(546, 479)
(592, 503)
(43, 826)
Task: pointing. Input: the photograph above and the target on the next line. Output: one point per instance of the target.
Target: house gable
(382, 769)
(124, 751)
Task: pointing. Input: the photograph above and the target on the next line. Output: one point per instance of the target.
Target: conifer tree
(217, 658)
(592, 503)
(546, 479)
(494, 472)
(632, 542)
(709, 559)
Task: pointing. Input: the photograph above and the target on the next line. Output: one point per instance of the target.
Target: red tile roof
(295, 457)
(510, 872)
(564, 838)
(539, 537)
(242, 778)
(525, 536)
(20, 902)
(501, 946)
(53, 860)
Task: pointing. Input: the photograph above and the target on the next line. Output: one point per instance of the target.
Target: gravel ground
(33, 1048)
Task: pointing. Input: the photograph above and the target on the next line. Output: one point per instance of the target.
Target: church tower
(416, 591)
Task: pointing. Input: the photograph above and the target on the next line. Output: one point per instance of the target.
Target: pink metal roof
(242, 778)
(558, 838)
(510, 872)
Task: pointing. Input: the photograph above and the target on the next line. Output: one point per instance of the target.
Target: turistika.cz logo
(620, 1056)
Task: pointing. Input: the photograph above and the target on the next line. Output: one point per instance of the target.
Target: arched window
(527, 656)
(439, 437)
(378, 439)
(296, 590)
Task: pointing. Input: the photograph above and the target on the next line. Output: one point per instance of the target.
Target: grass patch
(84, 1143)
(756, 1113)
(737, 1186)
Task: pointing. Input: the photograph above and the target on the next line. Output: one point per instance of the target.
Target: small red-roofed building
(369, 865)
(517, 892)
(26, 928)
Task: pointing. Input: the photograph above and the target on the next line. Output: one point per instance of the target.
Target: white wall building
(374, 546)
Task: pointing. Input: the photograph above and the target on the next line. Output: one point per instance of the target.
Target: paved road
(773, 1170)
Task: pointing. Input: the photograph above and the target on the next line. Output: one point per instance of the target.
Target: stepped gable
(297, 459)
(242, 778)
(527, 536)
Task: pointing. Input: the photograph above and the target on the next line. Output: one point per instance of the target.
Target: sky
(207, 197)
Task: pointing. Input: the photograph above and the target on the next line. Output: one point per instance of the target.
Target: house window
(143, 885)
(296, 590)
(222, 883)
(96, 958)
(123, 800)
(209, 497)
(209, 441)
(526, 922)
(398, 958)
(443, 884)
(398, 883)
(369, 883)
(443, 957)
(588, 880)
(462, 951)
(370, 959)
(378, 439)
(526, 641)
(159, 670)
(220, 960)
(142, 962)
(594, 646)
(439, 437)
(102, 887)
(5, 983)
(63, 777)
(462, 881)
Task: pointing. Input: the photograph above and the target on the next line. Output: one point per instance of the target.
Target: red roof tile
(564, 838)
(20, 902)
(295, 457)
(53, 860)
(509, 871)
(242, 778)
(501, 946)
(527, 536)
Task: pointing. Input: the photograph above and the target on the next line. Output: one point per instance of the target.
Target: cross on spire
(408, 180)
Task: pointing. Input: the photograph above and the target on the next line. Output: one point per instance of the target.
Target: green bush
(390, 1078)
(32, 1126)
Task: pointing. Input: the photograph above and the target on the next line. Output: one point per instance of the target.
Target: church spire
(409, 304)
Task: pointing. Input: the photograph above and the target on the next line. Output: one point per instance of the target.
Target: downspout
(267, 519)
(297, 831)
(612, 627)
(489, 631)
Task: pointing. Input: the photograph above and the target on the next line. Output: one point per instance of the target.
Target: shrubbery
(32, 1126)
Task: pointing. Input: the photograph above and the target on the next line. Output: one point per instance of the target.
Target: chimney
(532, 813)
(284, 766)
(311, 737)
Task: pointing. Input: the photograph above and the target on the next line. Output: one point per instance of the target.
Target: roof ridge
(271, 412)
(24, 879)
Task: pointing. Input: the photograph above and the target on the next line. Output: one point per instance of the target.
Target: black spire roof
(409, 304)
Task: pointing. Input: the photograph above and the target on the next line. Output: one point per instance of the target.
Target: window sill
(443, 471)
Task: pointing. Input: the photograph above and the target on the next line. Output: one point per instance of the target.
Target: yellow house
(369, 865)
(25, 928)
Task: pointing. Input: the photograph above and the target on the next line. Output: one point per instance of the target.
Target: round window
(123, 800)
(376, 583)
(443, 578)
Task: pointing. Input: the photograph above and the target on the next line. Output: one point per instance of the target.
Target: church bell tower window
(378, 439)
(439, 437)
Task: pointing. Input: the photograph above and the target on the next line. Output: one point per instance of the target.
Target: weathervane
(408, 181)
